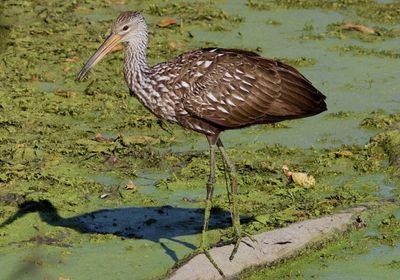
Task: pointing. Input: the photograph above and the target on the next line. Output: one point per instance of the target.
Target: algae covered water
(94, 186)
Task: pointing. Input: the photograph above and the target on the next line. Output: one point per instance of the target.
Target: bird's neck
(138, 74)
(136, 67)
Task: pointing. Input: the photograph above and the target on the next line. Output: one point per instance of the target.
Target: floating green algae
(380, 120)
(77, 145)
(358, 50)
(203, 13)
(368, 9)
(390, 142)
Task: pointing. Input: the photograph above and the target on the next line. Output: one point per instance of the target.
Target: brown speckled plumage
(223, 89)
(211, 90)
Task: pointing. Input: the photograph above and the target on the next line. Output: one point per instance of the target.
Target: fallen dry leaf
(299, 178)
(112, 160)
(166, 22)
(176, 45)
(344, 153)
(359, 28)
(65, 93)
(72, 59)
(99, 137)
(131, 186)
(82, 9)
(119, 2)
(303, 179)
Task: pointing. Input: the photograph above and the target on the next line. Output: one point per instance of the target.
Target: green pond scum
(88, 176)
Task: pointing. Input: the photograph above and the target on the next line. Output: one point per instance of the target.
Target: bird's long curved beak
(110, 42)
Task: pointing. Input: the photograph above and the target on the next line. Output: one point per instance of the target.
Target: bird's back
(232, 88)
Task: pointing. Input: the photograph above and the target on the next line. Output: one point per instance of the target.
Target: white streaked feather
(212, 97)
(244, 89)
(207, 63)
(222, 109)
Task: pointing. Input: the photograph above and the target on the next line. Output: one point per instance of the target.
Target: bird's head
(128, 27)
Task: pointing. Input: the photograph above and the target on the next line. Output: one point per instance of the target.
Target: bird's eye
(126, 27)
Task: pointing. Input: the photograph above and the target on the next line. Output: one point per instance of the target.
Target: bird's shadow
(151, 223)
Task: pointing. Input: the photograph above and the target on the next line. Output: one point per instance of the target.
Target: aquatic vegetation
(379, 120)
(390, 142)
(368, 9)
(299, 62)
(204, 13)
(79, 145)
(377, 33)
(358, 50)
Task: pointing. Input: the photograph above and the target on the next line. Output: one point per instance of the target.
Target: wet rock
(271, 247)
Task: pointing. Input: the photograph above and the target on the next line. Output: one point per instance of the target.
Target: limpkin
(209, 91)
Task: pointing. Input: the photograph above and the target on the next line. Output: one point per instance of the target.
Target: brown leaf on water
(131, 186)
(286, 171)
(119, 2)
(176, 45)
(72, 59)
(343, 153)
(166, 22)
(65, 93)
(20, 146)
(303, 179)
(359, 28)
(100, 138)
(299, 178)
(112, 160)
(82, 9)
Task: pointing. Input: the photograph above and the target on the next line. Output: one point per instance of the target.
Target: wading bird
(209, 91)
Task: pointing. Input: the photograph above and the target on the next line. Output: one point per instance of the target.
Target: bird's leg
(210, 190)
(233, 198)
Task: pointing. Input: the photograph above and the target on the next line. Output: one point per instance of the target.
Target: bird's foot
(236, 240)
(251, 237)
(207, 254)
(239, 239)
(205, 251)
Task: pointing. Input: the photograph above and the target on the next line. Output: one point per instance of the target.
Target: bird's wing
(234, 88)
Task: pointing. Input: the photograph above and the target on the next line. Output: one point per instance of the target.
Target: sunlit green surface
(48, 148)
